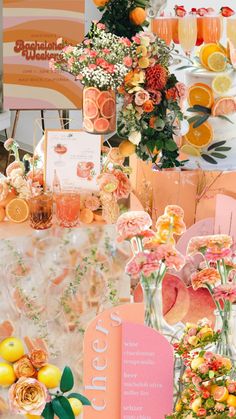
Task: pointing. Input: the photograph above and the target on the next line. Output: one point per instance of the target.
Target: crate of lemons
(37, 389)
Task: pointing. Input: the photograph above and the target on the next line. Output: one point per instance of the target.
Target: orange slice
(201, 136)
(2, 214)
(231, 400)
(200, 94)
(217, 62)
(220, 394)
(86, 216)
(17, 210)
(190, 150)
(206, 51)
(224, 106)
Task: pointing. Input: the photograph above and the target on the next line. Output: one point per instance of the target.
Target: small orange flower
(24, 368)
(148, 106)
(152, 121)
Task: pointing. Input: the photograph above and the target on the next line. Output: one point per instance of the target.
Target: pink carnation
(125, 41)
(101, 26)
(68, 49)
(136, 39)
(128, 61)
(208, 276)
(133, 223)
(92, 66)
(226, 292)
(93, 54)
(170, 256)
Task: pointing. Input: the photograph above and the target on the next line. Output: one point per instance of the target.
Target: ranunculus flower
(28, 396)
(24, 367)
(107, 182)
(38, 357)
(141, 97)
(148, 106)
(124, 186)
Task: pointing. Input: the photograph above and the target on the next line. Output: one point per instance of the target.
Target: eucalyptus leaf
(184, 67)
(84, 400)
(67, 380)
(48, 412)
(225, 118)
(218, 155)
(193, 119)
(200, 121)
(218, 144)
(208, 158)
(223, 149)
(201, 108)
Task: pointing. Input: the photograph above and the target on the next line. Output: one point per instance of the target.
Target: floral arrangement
(217, 274)
(195, 336)
(123, 17)
(154, 252)
(102, 60)
(151, 114)
(31, 379)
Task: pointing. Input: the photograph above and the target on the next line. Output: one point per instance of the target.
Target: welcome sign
(31, 29)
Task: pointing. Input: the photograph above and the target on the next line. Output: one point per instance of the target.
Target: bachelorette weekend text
(37, 50)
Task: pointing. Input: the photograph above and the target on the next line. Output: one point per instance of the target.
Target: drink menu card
(72, 160)
(147, 373)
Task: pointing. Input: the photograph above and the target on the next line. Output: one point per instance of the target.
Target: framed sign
(72, 159)
(31, 29)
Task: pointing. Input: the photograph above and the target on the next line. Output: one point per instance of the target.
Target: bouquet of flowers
(153, 254)
(217, 274)
(102, 60)
(151, 114)
(31, 379)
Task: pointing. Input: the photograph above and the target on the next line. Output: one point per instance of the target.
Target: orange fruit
(7, 375)
(100, 3)
(49, 375)
(126, 148)
(137, 16)
(200, 94)
(86, 216)
(2, 214)
(220, 394)
(11, 195)
(206, 51)
(17, 210)
(11, 349)
(231, 400)
(201, 136)
(224, 106)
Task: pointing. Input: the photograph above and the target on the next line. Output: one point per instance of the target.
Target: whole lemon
(196, 362)
(50, 376)
(76, 405)
(11, 349)
(7, 375)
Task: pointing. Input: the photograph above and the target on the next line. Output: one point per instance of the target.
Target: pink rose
(141, 97)
(93, 53)
(101, 26)
(110, 69)
(125, 41)
(87, 41)
(28, 396)
(182, 90)
(128, 61)
(136, 39)
(201, 412)
(203, 369)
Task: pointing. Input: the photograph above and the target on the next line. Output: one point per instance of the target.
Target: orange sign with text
(102, 360)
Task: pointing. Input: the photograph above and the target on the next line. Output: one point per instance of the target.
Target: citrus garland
(123, 17)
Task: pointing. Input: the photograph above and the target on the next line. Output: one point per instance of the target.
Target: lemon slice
(17, 210)
(222, 84)
(217, 62)
(190, 150)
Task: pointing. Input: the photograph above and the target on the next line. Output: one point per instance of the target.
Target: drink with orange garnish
(212, 28)
(68, 208)
(41, 210)
(162, 27)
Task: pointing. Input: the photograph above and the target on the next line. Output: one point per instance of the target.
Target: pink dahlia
(133, 223)
(226, 292)
(208, 276)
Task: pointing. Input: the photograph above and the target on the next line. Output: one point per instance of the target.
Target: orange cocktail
(68, 208)
(162, 27)
(212, 29)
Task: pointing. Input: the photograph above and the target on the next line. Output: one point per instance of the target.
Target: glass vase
(99, 110)
(110, 208)
(154, 318)
(227, 324)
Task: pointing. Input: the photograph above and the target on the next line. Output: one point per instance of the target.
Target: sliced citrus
(220, 394)
(91, 93)
(206, 51)
(201, 136)
(2, 214)
(86, 216)
(232, 54)
(108, 108)
(224, 106)
(102, 97)
(101, 125)
(90, 109)
(17, 210)
(217, 62)
(88, 124)
(231, 400)
(222, 84)
(190, 150)
(200, 94)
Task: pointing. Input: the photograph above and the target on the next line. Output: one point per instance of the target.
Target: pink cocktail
(162, 27)
(212, 29)
(68, 208)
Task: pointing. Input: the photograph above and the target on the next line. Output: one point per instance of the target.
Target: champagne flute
(156, 7)
(162, 27)
(231, 29)
(187, 33)
(212, 29)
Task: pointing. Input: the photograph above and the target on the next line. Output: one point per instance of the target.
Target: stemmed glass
(162, 27)
(187, 33)
(212, 28)
(156, 7)
(231, 29)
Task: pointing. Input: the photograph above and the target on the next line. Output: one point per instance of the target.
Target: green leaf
(225, 118)
(223, 149)
(218, 155)
(199, 108)
(200, 121)
(84, 400)
(209, 159)
(48, 412)
(170, 145)
(218, 144)
(62, 408)
(67, 380)
(193, 119)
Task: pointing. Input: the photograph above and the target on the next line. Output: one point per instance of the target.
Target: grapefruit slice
(201, 136)
(200, 94)
(88, 125)
(90, 109)
(102, 97)
(17, 210)
(206, 51)
(101, 125)
(232, 54)
(108, 108)
(112, 126)
(224, 106)
(91, 93)
(220, 394)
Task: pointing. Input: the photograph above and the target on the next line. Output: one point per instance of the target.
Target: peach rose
(38, 357)
(115, 157)
(148, 106)
(24, 367)
(28, 396)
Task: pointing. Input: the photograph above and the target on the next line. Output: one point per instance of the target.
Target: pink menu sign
(147, 373)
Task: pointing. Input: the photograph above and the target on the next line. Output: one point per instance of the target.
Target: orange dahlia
(156, 77)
